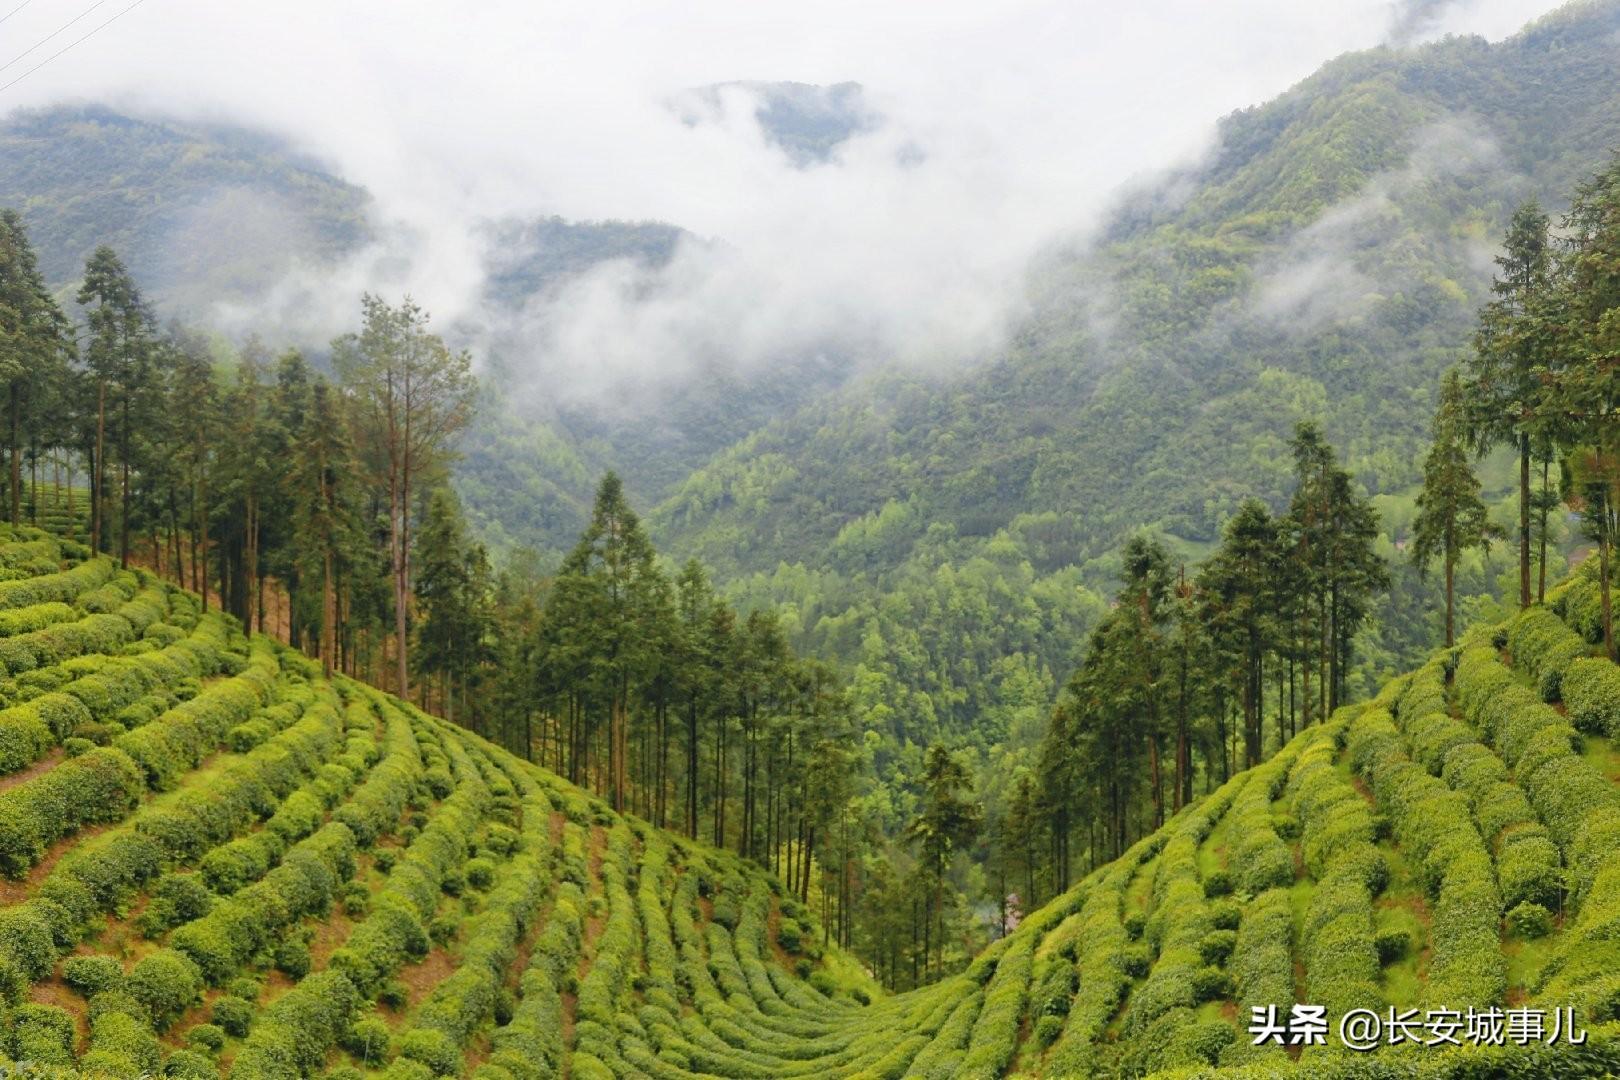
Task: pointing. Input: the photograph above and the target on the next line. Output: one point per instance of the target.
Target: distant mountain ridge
(806, 121)
(204, 213)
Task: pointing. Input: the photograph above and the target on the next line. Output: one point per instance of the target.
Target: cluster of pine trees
(263, 484)
(1195, 676)
(1545, 379)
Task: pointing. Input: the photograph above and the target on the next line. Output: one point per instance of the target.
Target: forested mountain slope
(1333, 255)
(212, 214)
(1327, 263)
(950, 538)
(221, 863)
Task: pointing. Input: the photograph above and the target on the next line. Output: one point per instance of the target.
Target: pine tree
(409, 394)
(1334, 527)
(1238, 589)
(34, 348)
(1587, 382)
(1143, 601)
(624, 594)
(119, 357)
(1451, 517)
(1503, 385)
(244, 481)
(698, 670)
(325, 524)
(451, 589)
(196, 397)
(948, 822)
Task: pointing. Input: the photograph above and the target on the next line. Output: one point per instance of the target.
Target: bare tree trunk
(1603, 578)
(1524, 521)
(1450, 601)
(1541, 583)
(200, 549)
(397, 514)
(98, 494)
(329, 615)
(1158, 786)
(123, 503)
(16, 461)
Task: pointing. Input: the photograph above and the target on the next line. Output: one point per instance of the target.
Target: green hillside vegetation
(1328, 264)
(947, 692)
(223, 863)
(211, 214)
(219, 862)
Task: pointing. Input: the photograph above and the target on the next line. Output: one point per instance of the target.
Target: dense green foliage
(1327, 264)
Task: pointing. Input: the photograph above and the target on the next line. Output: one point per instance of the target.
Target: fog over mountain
(882, 208)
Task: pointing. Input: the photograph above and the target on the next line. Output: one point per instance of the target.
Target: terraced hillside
(218, 863)
(60, 510)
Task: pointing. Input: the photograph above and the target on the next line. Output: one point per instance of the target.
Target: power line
(14, 10)
(52, 34)
(77, 41)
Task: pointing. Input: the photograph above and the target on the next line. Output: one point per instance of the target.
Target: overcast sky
(1028, 115)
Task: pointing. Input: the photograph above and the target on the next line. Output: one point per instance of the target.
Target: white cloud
(1321, 275)
(1029, 114)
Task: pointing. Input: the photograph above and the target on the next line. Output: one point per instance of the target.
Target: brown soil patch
(329, 936)
(43, 765)
(121, 937)
(596, 845)
(568, 1003)
(420, 979)
(525, 949)
(15, 892)
(1362, 789)
(593, 923)
(276, 983)
(773, 923)
(197, 1014)
(476, 1053)
(54, 991)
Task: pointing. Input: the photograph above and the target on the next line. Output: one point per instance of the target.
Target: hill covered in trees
(211, 213)
(1327, 263)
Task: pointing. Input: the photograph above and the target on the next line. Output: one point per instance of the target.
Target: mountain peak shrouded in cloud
(807, 122)
(208, 213)
(526, 257)
(886, 207)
